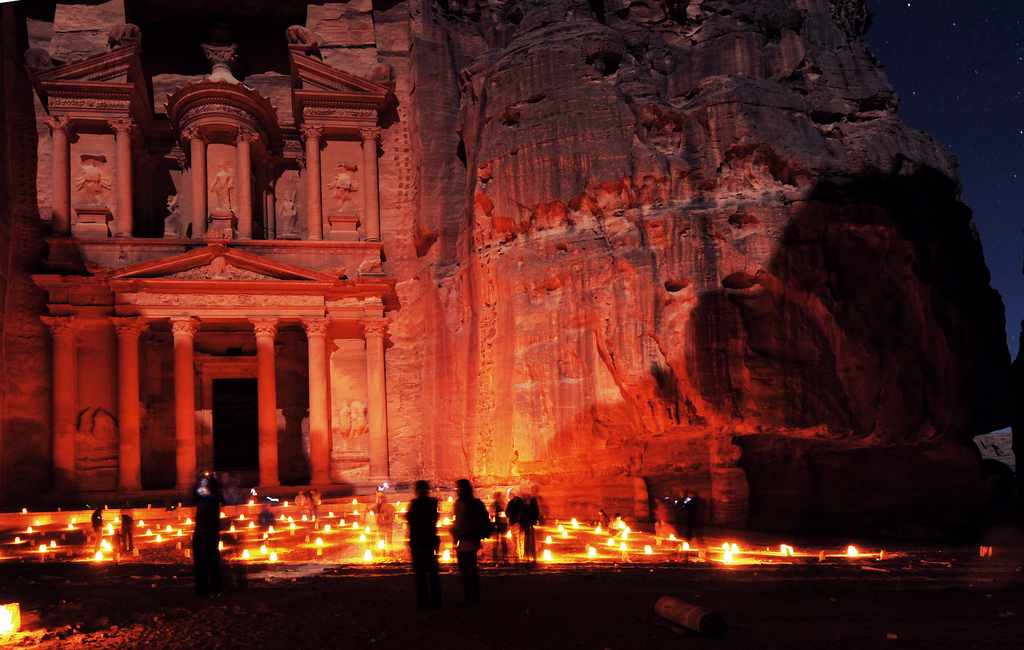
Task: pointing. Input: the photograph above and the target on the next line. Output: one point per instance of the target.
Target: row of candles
(620, 543)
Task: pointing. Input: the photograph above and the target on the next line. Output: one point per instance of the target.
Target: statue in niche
(223, 187)
(172, 222)
(92, 182)
(343, 186)
(288, 214)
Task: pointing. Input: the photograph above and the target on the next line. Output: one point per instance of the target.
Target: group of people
(125, 534)
(519, 515)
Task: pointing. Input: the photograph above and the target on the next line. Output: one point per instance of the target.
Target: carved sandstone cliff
(689, 242)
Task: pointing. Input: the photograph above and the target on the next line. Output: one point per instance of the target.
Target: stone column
(65, 400)
(376, 397)
(129, 461)
(314, 211)
(371, 205)
(319, 409)
(197, 144)
(184, 330)
(60, 126)
(266, 378)
(243, 172)
(123, 133)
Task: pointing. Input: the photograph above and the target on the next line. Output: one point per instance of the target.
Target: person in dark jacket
(528, 518)
(500, 551)
(206, 538)
(423, 545)
(467, 544)
(512, 512)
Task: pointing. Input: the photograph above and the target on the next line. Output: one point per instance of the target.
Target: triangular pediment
(217, 262)
(114, 65)
(312, 76)
(110, 83)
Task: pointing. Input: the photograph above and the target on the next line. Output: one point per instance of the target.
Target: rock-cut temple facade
(614, 252)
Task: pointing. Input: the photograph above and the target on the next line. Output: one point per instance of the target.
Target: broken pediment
(326, 94)
(216, 262)
(111, 82)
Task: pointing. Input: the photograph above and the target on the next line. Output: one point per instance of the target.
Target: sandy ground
(928, 598)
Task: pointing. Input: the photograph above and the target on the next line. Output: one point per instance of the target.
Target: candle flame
(547, 540)
(273, 557)
(381, 545)
(686, 546)
(263, 549)
(10, 618)
(575, 524)
(245, 554)
(368, 556)
(42, 548)
(728, 556)
(99, 556)
(547, 555)
(611, 541)
(597, 531)
(647, 550)
(188, 521)
(327, 528)
(319, 541)
(591, 552)
(362, 538)
(735, 549)
(159, 539)
(220, 546)
(851, 551)
(53, 543)
(446, 556)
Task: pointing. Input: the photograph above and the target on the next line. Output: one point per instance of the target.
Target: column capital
(60, 325)
(126, 326)
(370, 133)
(315, 327)
(184, 326)
(193, 133)
(308, 131)
(181, 159)
(246, 135)
(121, 125)
(374, 327)
(265, 326)
(58, 123)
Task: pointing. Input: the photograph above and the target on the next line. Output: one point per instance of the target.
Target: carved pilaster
(307, 131)
(371, 201)
(314, 210)
(60, 128)
(123, 128)
(58, 123)
(184, 330)
(65, 400)
(266, 379)
(129, 422)
(374, 330)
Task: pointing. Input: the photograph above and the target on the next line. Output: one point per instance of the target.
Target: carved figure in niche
(172, 222)
(223, 187)
(288, 214)
(92, 181)
(352, 420)
(344, 185)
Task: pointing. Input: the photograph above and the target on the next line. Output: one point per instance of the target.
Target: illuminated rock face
(671, 246)
(642, 248)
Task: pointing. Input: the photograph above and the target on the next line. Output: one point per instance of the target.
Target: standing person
(315, 501)
(423, 546)
(513, 511)
(385, 516)
(206, 538)
(301, 502)
(500, 553)
(127, 528)
(97, 528)
(471, 524)
(528, 518)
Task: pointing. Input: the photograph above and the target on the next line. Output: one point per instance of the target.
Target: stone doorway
(235, 426)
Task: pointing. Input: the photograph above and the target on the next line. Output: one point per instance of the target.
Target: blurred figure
(500, 551)
(315, 501)
(472, 524)
(687, 514)
(513, 511)
(662, 515)
(97, 528)
(266, 518)
(301, 502)
(127, 530)
(385, 517)
(603, 519)
(528, 518)
(423, 545)
(206, 538)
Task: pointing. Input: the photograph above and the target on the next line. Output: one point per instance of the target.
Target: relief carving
(223, 187)
(172, 222)
(123, 35)
(92, 181)
(343, 186)
(226, 300)
(288, 216)
(219, 269)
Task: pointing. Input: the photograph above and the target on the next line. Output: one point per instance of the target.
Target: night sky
(958, 68)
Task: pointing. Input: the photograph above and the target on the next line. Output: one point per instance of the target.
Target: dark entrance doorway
(236, 444)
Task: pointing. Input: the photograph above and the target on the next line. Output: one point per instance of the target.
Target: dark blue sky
(958, 67)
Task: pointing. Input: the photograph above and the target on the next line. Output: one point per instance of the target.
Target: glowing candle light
(611, 541)
(355, 525)
(70, 527)
(671, 537)
(622, 546)
(290, 520)
(547, 555)
(362, 538)
(447, 521)
(575, 524)
(735, 549)
(728, 556)
(220, 546)
(547, 540)
(142, 523)
(509, 534)
(304, 518)
(725, 546)
(851, 551)
(24, 511)
(331, 515)
(251, 502)
(291, 526)
(37, 523)
(99, 556)
(341, 523)
(74, 521)
(450, 500)
(105, 545)
(53, 543)
(625, 534)
(367, 531)
(168, 528)
(17, 540)
(446, 556)
(285, 504)
(232, 529)
(561, 528)
(245, 554)
(597, 531)
(178, 534)
(355, 501)
(266, 536)
(252, 524)
(263, 549)
(787, 550)
(30, 530)
(273, 557)
(319, 541)
(403, 509)
(271, 530)
(222, 515)
(159, 539)
(381, 545)
(686, 546)
(591, 552)
(241, 517)
(621, 524)
(10, 618)
(565, 534)
(188, 521)
(42, 548)
(117, 519)
(283, 518)
(368, 556)
(150, 532)
(327, 528)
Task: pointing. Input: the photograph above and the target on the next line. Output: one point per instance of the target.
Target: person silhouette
(423, 545)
